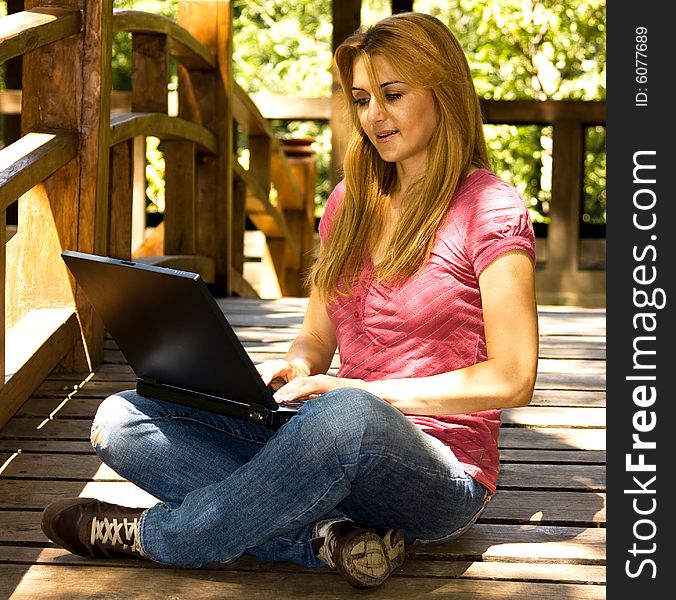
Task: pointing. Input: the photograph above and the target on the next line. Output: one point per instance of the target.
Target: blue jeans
(228, 487)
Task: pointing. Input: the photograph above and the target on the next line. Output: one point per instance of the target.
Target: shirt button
(358, 298)
(356, 314)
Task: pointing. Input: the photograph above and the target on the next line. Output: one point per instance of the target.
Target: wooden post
(66, 87)
(121, 190)
(206, 98)
(179, 197)
(301, 220)
(563, 237)
(346, 20)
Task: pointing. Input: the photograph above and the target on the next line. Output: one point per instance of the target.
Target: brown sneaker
(364, 558)
(93, 528)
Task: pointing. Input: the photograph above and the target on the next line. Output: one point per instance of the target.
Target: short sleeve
(498, 222)
(331, 210)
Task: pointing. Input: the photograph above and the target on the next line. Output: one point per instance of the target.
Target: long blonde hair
(424, 52)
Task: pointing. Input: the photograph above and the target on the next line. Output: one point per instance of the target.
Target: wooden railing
(73, 171)
(561, 278)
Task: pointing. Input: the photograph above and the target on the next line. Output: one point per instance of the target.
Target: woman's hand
(276, 373)
(306, 388)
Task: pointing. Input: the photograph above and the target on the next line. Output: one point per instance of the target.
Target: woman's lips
(385, 135)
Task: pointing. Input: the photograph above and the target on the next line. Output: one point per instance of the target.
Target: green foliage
(546, 50)
(283, 47)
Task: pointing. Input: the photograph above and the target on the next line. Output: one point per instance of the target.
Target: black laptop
(176, 338)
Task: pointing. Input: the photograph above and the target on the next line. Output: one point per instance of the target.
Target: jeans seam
(234, 433)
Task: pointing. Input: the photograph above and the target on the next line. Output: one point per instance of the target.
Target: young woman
(425, 285)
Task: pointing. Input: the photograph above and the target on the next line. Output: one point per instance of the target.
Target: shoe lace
(328, 547)
(109, 532)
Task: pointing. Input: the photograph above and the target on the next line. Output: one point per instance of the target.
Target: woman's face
(402, 128)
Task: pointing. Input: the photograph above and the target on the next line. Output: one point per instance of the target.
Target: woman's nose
(375, 111)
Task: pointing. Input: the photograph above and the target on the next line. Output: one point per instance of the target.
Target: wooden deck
(543, 535)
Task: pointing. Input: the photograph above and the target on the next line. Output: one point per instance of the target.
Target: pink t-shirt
(433, 322)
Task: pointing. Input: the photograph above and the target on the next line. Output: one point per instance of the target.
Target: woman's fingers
(304, 388)
(274, 370)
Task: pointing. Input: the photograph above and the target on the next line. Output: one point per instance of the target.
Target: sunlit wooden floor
(542, 536)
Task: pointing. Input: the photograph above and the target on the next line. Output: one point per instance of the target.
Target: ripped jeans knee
(98, 436)
(111, 415)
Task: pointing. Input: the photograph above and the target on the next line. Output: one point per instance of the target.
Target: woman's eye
(391, 97)
(361, 101)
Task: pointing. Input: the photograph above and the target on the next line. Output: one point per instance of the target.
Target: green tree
(517, 49)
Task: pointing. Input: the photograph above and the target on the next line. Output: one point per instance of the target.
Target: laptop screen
(169, 327)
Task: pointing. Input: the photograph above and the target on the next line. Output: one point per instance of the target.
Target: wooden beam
(346, 19)
(543, 112)
(278, 106)
(206, 97)
(179, 194)
(121, 199)
(30, 160)
(69, 210)
(25, 31)
(125, 126)
(182, 45)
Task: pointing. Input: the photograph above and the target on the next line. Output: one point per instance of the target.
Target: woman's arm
(312, 350)
(505, 379)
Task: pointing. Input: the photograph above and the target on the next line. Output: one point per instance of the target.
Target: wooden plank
(73, 407)
(71, 467)
(534, 543)
(577, 381)
(25, 495)
(62, 387)
(582, 398)
(75, 583)
(580, 509)
(573, 457)
(561, 573)
(51, 446)
(547, 438)
(550, 476)
(28, 30)
(552, 438)
(568, 365)
(30, 160)
(555, 416)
